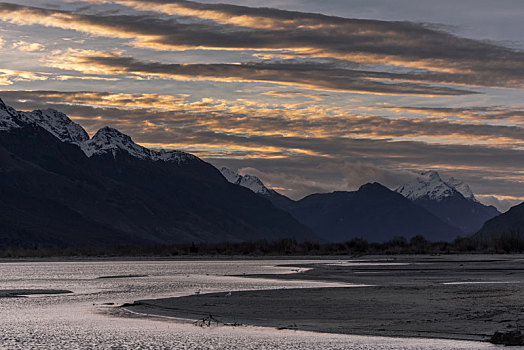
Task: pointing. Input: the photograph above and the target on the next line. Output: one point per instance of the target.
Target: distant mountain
(247, 181)
(450, 200)
(256, 185)
(462, 188)
(59, 187)
(511, 221)
(374, 212)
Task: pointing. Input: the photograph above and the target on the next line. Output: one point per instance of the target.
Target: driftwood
(209, 321)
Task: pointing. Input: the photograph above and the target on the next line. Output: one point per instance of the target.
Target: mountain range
(437, 209)
(451, 200)
(61, 188)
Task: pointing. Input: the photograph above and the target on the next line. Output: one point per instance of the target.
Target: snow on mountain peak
(111, 140)
(254, 184)
(427, 184)
(461, 187)
(58, 124)
(231, 176)
(55, 122)
(248, 181)
(9, 117)
(105, 140)
(171, 156)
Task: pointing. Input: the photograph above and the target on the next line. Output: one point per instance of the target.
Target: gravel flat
(458, 297)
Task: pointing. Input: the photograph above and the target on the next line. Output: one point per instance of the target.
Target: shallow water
(80, 320)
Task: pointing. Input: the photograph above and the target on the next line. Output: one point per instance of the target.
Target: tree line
(511, 242)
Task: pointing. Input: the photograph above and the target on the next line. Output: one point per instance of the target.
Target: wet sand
(454, 297)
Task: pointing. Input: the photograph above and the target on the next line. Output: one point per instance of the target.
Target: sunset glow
(306, 98)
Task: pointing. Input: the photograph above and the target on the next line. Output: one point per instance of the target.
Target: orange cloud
(306, 76)
(9, 76)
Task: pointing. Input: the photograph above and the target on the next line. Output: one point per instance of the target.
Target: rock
(512, 338)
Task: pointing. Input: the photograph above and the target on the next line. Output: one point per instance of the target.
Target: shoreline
(381, 257)
(460, 299)
(269, 313)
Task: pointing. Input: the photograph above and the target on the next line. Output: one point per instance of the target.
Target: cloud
(303, 133)
(102, 99)
(513, 114)
(299, 152)
(307, 75)
(295, 94)
(433, 56)
(9, 76)
(27, 47)
(355, 174)
(502, 204)
(250, 118)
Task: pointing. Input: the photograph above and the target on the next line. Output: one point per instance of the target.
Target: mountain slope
(452, 201)
(511, 221)
(256, 185)
(55, 122)
(54, 194)
(374, 213)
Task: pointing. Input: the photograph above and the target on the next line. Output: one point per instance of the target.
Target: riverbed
(90, 315)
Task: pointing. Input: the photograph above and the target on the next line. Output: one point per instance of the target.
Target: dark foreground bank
(458, 298)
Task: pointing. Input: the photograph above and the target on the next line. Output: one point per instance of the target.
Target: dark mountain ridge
(508, 223)
(54, 194)
(437, 209)
(374, 213)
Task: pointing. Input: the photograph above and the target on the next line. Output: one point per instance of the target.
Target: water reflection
(75, 320)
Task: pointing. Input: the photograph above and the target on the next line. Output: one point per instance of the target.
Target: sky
(311, 96)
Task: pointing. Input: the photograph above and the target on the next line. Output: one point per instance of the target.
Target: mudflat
(455, 297)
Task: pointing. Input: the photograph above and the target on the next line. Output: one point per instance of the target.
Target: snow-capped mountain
(53, 194)
(248, 181)
(58, 124)
(428, 184)
(373, 212)
(451, 200)
(231, 175)
(461, 187)
(9, 117)
(55, 122)
(111, 140)
(106, 140)
(256, 185)
(172, 156)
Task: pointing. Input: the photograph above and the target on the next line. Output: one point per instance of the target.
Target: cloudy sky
(311, 96)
